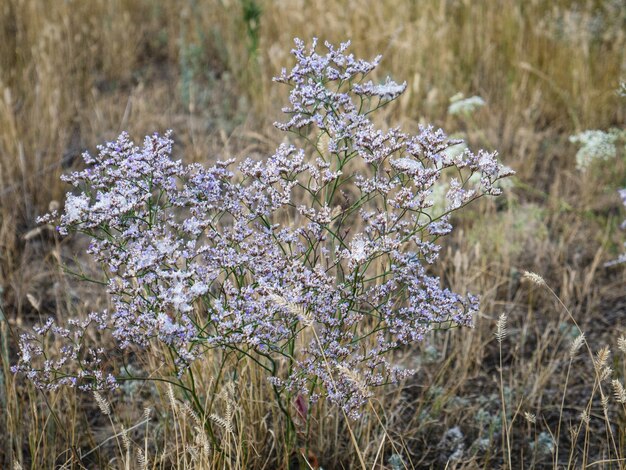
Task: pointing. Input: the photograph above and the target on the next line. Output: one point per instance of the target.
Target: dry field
(510, 393)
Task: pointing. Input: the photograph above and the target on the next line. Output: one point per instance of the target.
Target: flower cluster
(595, 145)
(464, 106)
(621, 258)
(328, 244)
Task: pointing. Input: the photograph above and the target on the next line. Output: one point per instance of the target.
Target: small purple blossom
(389, 90)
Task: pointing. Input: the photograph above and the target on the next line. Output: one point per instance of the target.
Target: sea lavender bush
(326, 244)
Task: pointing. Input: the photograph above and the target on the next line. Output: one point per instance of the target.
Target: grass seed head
(103, 403)
(576, 345)
(530, 417)
(501, 330)
(619, 391)
(534, 278)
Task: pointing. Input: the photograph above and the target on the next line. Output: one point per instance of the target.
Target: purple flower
(336, 238)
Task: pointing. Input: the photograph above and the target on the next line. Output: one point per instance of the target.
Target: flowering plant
(313, 263)
(596, 145)
(621, 258)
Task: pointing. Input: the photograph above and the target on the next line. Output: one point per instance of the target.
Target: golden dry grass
(74, 73)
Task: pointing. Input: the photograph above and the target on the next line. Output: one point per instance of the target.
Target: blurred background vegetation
(75, 73)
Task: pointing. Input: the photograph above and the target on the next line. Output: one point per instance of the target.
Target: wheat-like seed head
(605, 403)
(230, 388)
(226, 421)
(606, 373)
(295, 309)
(530, 417)
(192, 414)
(576, 344)
(322, 144)
(103, 404)
(621, 344)
(573, 433)
(142, 460)
(223, 423)
(17, 465)
(125, 439)
(534, 278)
(501, 328)
(355, 378)
(202, 441)
(192, 451)
(601, 358)
(172, 397)
(228, 414)
(619, 391)
(584, 416)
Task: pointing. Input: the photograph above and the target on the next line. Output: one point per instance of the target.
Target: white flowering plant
(327, 244)
(459, 105)
(596, 145)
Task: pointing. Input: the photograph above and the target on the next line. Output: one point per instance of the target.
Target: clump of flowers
(621, 258)
(595, 145)
(327, 243)
(464, 106)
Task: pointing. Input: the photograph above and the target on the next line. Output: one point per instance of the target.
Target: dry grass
(74, 73)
